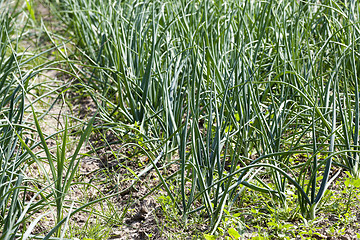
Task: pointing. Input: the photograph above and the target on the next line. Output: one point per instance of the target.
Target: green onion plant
(240, 89)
